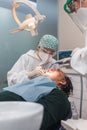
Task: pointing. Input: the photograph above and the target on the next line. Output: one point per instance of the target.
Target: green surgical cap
(66, 8)
(49, 41)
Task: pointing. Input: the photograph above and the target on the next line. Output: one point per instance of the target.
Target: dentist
(30, 64)
(77, 10)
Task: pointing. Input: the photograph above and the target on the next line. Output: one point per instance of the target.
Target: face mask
(82, 16)
(44, 56)
(80, 19)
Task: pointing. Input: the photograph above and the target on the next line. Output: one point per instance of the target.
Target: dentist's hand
(36, 72)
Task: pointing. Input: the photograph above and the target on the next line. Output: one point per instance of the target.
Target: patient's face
(55, 75)
(52, 74)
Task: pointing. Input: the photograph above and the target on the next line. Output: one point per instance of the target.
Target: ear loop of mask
(80, 3)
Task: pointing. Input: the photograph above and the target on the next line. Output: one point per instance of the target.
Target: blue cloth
(33, 89)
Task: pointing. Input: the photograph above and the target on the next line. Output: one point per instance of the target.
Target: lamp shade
(20, 116)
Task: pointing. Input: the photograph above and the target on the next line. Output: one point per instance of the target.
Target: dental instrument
(62, 63)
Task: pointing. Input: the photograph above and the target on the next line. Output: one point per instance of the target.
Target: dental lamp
(31, 22)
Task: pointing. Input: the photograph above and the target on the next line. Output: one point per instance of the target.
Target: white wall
(69, 34)
(50, 9)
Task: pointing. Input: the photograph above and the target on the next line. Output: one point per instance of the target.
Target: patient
(35, 88)
(55, 101)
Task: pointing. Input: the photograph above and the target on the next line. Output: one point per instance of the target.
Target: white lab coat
(79, 60)
(27, 62)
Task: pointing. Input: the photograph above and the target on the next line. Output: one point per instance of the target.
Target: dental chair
(69, 116)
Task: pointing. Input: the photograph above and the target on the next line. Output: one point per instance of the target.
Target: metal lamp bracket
(31, 22)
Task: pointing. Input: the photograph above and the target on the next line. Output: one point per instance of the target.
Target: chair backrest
(69, 116)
